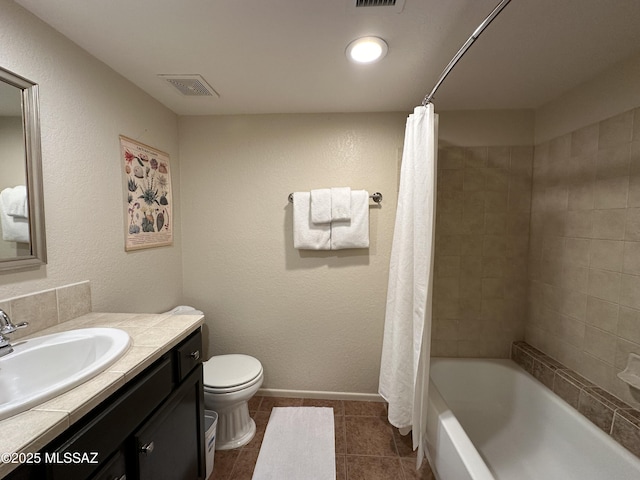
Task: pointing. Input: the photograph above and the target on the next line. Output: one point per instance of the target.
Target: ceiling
(287, 56)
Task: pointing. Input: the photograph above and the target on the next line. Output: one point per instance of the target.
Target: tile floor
(367, 446)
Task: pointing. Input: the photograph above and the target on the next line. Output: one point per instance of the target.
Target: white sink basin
(44, 367)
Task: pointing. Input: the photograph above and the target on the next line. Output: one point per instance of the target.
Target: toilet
(229, 383)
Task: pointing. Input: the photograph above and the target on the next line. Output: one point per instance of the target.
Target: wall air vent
(190, 85)
(395, 6)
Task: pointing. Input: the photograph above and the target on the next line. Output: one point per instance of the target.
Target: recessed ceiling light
(367, 50)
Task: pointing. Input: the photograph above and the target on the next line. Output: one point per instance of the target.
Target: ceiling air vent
(375, 3)
(191, 85)
(395, 6)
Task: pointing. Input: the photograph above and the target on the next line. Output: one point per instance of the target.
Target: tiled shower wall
(482, 231)
(584, 254)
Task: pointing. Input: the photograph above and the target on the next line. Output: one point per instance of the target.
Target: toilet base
(235, 427)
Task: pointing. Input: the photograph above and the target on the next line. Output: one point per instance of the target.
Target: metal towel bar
(376, 197)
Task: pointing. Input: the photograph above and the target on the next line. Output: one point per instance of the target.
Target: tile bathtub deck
(367, 446)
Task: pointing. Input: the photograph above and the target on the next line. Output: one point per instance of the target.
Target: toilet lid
(223, 371)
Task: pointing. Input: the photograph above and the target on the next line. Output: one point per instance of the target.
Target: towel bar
(376, 197)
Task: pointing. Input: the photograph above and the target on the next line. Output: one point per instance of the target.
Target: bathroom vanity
(147, 424)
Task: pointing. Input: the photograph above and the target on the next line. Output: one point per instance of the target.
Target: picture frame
(149, 201)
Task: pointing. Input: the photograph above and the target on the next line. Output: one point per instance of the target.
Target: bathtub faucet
(7, 327)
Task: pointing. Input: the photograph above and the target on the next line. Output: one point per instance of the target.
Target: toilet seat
(230, 373)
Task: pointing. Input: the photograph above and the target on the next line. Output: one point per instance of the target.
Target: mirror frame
(33, 161)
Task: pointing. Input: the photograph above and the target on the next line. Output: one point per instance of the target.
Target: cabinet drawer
(188, 355)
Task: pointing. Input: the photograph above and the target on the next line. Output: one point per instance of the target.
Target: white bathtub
(489, 419)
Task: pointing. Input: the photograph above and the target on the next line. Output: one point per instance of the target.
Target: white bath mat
(298, 445)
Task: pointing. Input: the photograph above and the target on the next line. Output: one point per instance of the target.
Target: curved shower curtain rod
(463, 49)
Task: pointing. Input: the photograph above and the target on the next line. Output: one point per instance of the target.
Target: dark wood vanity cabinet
(151, 429)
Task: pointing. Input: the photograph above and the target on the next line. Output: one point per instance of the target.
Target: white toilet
(229, 383)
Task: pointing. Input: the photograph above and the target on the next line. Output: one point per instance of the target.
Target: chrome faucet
(7, 327)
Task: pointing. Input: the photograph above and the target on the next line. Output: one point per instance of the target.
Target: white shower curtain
(404, 372)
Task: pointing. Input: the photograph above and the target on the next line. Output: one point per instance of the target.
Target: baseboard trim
(320, 395)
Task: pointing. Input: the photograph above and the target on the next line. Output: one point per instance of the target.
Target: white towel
(14, 229)
(14, 201)
(321, 205)
(340, 204)
(307, 235)
(353, 233)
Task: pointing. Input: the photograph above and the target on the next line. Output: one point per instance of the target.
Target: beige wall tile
(496, 180)
(609, 224)
(606, 255)
(495, 202)
(499, 157)
(604, 285)
(581, 196)
(632, 224)
(630, 291)
(492, 288)
(573, 304)
(616, 130)
(613, 161)
(634, 156)
(602, 314)
(451, 158)
(629, 324)
(631, 263)
(484, 203)
(40, 310)
(476, 157)
(623, 349)
(576, 251)
(560, 148)
(447, 266)
(633, 198)
(575, 278)
(584, 140)
(473, 179)
(570, 330)
(611, 192)
(579, 224)
(450, 179)
(73, 301)
(448, 245)
(600, 344)
(522, 161)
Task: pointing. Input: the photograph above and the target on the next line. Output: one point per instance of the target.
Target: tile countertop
(152, 335)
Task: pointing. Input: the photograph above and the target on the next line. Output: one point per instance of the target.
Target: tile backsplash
(48, 308)
(584, 252)
(482, 232)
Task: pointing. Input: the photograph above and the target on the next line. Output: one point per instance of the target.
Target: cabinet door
(114, 469)
(171, 443)
(116, 422)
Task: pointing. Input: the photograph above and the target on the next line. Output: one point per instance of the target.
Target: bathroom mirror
(22, 233)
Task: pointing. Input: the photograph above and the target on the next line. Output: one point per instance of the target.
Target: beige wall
(614, 91)
(584, 248)
(485, 128)
(84, 107)
(314, 319)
